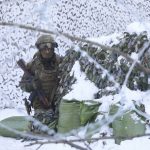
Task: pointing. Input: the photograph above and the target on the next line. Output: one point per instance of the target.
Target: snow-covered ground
(136, 143)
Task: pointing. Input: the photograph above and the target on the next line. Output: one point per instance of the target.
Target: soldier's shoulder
(59, 58)
(36, 56)
(34, 61)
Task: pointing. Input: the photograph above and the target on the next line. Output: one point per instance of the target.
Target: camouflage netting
(92, 72)
(133, 43)
(66, 79)
(116, 65)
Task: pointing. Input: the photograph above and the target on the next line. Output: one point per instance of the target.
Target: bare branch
(39, 146)
(84, 140)
(74, 38)
(75, 145)
(87, 144)
(58, 142)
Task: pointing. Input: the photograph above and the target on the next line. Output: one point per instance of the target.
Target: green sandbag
(19, 123)
(126, 126)
(69, 115)
(74, 114)
(89, 111)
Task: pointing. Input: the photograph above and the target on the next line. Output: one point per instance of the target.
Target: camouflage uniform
(46, 71)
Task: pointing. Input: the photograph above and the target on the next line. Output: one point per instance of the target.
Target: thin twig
(75, 38)
(39, 146)
(87, 144)
(58, 142)
(75, 145)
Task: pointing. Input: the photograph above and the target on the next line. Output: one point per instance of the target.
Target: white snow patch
(138, 27)
(83, 89)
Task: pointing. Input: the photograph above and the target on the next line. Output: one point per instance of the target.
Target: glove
(36, 84)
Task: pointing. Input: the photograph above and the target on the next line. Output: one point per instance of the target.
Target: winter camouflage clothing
(45, 78)
(47, 74)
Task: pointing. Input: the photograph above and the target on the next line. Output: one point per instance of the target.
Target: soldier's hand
(36, 84)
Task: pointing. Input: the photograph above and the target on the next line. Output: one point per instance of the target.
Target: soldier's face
(47, 53)
(46, 50)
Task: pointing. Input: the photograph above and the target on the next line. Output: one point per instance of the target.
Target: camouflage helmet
(46, 39)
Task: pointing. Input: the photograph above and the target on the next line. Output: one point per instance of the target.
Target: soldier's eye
(45, 46)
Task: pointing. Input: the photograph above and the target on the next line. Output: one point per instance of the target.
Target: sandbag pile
(127, 126)
(74, 114)
(18, 123)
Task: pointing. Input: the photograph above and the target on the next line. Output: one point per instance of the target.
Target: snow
(138, 27)
(83, 89)
(106, 40)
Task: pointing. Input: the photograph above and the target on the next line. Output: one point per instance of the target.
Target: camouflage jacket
(47, 75)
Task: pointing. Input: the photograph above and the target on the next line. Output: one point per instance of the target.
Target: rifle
(27, 105)
(39, 93)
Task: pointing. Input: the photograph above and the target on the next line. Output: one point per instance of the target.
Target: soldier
(44, 68)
